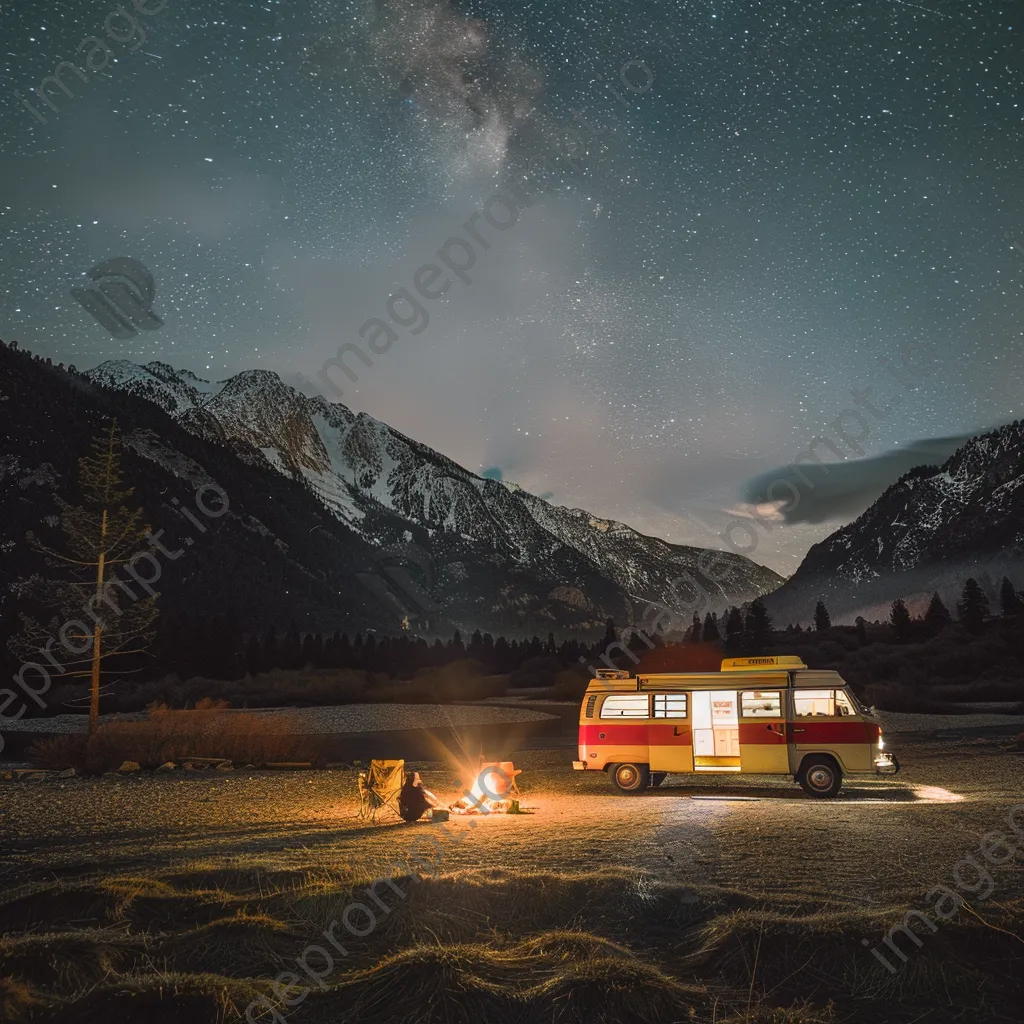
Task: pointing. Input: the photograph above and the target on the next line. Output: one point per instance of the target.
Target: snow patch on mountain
(373, 479)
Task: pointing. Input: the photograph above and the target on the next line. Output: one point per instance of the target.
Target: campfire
(494, 790)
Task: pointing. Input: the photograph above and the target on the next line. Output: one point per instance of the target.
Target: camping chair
(379, 788)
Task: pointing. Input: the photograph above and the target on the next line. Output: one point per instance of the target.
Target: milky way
(803, 191)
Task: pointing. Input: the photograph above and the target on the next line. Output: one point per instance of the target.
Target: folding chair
(379, 788)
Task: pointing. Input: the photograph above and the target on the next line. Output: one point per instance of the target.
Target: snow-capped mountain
(929, 531)
(390, 489)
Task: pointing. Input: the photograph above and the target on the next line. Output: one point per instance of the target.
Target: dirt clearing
(184, 896)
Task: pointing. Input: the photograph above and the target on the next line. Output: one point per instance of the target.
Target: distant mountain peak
(928, 531)
(375, 479)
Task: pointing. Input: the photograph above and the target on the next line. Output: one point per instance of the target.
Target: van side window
(670, 705)
(814, 703)
(844, 706)
(625, 705)
(761, 703)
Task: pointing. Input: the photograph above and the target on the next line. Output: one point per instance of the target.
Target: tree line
(750, 630)
(190, 646)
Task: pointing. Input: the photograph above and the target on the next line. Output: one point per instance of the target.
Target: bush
(207, 731)
(894, 697)
(535, 672)
(570, 684)
(459, 680)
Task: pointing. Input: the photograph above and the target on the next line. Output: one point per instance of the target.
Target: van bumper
(887, 764)
(579, 765)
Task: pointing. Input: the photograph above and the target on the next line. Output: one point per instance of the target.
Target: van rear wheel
(630, 778)
(820, 776)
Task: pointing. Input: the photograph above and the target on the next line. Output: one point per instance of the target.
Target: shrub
(208, 730)
(459, 680)
(535, 672)
(570, 685)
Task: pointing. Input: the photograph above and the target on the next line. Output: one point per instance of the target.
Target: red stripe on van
(827, 733)
(761, 734)
(633, 733)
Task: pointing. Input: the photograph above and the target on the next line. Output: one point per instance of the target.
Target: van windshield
(862, 708)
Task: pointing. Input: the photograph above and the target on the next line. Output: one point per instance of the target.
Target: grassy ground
(182, 897)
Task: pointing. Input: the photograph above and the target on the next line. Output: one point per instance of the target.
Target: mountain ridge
(359, 467)
(927, 532)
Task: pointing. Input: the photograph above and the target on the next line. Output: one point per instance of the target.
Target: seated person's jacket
(411, 802)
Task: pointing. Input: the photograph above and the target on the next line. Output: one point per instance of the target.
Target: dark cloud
(843, 490)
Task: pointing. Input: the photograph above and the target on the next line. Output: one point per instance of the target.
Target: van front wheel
(630, 778)
(820, 776)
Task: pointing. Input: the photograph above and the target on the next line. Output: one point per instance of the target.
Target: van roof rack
(611, 673)
(783, 661)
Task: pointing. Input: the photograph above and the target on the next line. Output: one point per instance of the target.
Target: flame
(490, 785)
(494, 786)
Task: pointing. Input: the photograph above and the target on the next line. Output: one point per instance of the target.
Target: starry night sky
(804, 189)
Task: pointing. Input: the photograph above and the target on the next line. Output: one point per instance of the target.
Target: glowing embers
(494, 790)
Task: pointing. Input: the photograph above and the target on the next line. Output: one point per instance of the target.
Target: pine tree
(369, 659)
(972, 608)
(291, 649)
(696, 631)
(822, 619)
(710, 631)
(862, 630)
(757, 628)
(1009, 600)
(345, 657)
(734, 631)
(476, 644)
(611, 636)
(899, 619)
(269, 646)
(307, 656)
(100, 535)
(937, 616)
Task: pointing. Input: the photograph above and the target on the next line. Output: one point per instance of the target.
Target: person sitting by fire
(415, 799)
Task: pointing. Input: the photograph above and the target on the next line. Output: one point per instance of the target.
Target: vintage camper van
(768, 716)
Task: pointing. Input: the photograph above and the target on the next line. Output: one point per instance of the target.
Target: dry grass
(514, 926)
(612, 991)
(143, 904)
(67, 962)
(555, 977)
(17, 1003)
(786, 957)
(483, 946)
(168, 735)
(435, 985)
(242, 946)
(313, 687)
(160, 999)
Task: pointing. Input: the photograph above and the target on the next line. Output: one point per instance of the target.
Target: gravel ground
(901, 722)
(156, 849)
(344, 718)
(879, 839)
